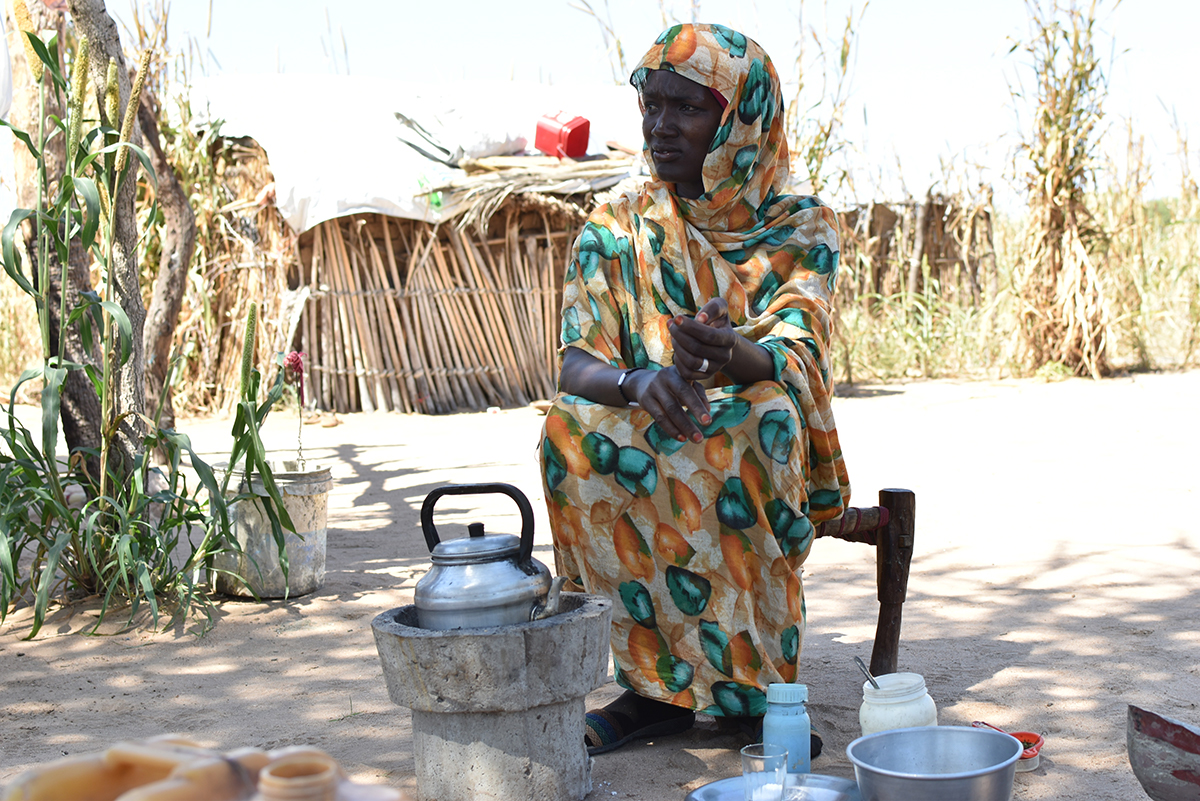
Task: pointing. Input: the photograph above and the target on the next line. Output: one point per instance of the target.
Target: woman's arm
(584, 375)
(664, 394)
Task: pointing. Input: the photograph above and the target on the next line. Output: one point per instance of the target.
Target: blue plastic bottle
(786, 723)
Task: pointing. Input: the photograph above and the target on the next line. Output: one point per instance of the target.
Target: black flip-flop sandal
(607, 731)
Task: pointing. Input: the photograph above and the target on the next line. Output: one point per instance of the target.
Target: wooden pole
(914, 265)
(364, 326)
(375, 335)
(381, 337)
(364, 323)
(496, 280)
(520, 292)
(334, 399)
(350, 359)
(526, 264)
(505, 379)
(452, 340)
(542, 261)
(991, 249)
(893, 556)
(316, 378)
(537, 299)
(439, 390)
(427, 323)
(972, 262)
(553, 306)
(494, 319)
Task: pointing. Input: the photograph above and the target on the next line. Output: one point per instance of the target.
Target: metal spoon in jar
(866, 672)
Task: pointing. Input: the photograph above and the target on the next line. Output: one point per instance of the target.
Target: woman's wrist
(750, 362)
(624, 385)
(637, 383)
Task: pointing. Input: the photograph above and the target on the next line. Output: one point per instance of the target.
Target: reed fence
(943, 244)
(405, 316)
(401, 315)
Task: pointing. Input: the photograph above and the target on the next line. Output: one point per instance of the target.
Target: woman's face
(679, 121)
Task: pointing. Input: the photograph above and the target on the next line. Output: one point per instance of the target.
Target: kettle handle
(431, 535)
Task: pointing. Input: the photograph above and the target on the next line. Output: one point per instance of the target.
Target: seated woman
(692, 446)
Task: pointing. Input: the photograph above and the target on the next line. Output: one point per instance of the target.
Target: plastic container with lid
(314, 778)
(787, 724)
(561, 134)
(901, 702)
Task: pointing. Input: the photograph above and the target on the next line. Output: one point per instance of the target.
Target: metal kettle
(482, 579)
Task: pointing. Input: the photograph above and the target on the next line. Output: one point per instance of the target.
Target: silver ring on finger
(704, 366)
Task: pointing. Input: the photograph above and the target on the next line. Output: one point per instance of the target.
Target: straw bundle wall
(400, 315)
(405, 316)
(245, 253)
(944, 245)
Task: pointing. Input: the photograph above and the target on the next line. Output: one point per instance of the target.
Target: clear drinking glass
(764, 772)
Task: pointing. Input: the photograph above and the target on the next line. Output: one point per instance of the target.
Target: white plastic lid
(787, 693)
(895, 688)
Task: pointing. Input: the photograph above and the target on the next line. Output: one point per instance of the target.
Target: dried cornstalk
(1063, 316)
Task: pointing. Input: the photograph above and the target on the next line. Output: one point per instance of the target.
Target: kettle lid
(478, 547)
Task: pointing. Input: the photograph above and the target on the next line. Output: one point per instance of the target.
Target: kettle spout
(551, 606)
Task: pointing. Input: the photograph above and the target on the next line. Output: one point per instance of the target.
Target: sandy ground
(1055, 580)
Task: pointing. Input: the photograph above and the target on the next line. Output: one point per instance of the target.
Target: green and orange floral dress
(700, 545)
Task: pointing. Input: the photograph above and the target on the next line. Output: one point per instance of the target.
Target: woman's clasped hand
(703, 346)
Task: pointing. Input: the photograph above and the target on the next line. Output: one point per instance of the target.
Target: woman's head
(745, 158)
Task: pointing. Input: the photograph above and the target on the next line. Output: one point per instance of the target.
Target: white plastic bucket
(257, 570)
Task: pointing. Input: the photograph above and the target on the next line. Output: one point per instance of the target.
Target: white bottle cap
(787, 693)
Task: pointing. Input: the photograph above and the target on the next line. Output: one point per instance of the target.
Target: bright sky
(930, 78)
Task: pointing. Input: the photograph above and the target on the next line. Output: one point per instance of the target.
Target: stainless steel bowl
(935, 763)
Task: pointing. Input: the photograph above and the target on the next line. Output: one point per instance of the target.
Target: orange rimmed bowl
(1031, 743)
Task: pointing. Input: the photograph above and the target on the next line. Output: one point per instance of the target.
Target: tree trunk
(129, 391)
(80, 411)
(178, 245)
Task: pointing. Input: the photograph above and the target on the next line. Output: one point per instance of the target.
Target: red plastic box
(562, 134)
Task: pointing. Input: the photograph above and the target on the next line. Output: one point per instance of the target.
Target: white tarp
(333, 142)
